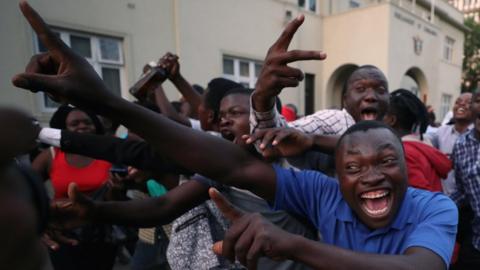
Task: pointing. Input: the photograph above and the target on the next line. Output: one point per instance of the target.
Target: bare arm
(167, 109)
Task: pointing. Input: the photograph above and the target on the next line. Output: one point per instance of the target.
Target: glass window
(312, 5)
(258, 68)
(448, 49)
(111, 77)
(110, 49)
(241, 70)
(103, 53)
(445, 105)
(354, 4)
(81, 45)
(244, 69)
(228, 66)
(301, 3)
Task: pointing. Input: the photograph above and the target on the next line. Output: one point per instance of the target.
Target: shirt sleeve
(324, 122)
(263, 120)
(310, 194)
(50, 136)
(195, 124)
(437, 229)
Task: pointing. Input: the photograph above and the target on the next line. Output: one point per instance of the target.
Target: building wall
(145, 27)
(202, 32)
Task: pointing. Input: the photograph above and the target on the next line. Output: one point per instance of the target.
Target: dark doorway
(309, 93)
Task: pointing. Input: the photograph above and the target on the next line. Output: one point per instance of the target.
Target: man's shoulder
(425, 203)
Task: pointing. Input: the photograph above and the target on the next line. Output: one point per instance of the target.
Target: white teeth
(376, 212)
(374, 194)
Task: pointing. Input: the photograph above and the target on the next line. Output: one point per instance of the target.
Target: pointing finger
(45, 34)
(227, 209)
(285, 38)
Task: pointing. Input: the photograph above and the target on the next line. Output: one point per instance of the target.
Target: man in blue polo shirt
(369, 210)
(370, 219)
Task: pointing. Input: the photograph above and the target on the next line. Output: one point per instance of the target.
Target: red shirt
(88, 179)
(426, 166)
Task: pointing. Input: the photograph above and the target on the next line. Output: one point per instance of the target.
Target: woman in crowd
(91, 252)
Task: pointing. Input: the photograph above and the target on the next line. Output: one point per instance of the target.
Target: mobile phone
(119, 170)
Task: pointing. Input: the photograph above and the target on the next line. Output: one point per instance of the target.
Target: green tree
(471, 60)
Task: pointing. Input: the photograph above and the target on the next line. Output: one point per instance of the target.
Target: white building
(470, 8)
(417, 46)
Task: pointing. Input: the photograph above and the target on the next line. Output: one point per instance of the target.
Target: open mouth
(376, 203)
(227, 134)
(369, 114)
(460, 111)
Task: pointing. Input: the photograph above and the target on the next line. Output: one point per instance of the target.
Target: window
(448, 49)
(354, 4)
(310, 5)
(241, 70)
(445, 105)
(103, 53)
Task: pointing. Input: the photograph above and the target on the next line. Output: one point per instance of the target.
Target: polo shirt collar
(344, 213)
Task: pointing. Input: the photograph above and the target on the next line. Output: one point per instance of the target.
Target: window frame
(448, 49)
(96, 60)
(306, 6)
(251, 79)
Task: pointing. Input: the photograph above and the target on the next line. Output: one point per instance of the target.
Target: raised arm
(69, 77)
(171, 63)
(167, 109)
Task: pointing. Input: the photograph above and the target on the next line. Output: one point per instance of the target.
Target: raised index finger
(285, 38)
(44, 33)
(227, 209)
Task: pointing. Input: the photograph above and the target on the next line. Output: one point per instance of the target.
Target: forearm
(151, 211)
(324, 143)
(262, 103)
(186, 89)
(194, 150)
(166, 107)
(323, 256)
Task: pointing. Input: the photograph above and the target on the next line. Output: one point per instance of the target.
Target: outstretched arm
(251, 236)
(69, 77)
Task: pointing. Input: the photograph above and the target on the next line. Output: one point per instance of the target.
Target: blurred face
(78, 121)
(461, 108)
(366, 97)
(234, 114)
(372, 174)
(475, 111)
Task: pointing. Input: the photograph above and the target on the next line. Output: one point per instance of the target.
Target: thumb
(74, 195)
(37, 82)
(217, 248)
(227, 209)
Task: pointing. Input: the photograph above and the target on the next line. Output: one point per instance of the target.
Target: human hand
(275, 73)
(53, 239)
(280, 142)
(19, 134)
(170, 63)
(77, 211)
(60, 72)
(250, 236)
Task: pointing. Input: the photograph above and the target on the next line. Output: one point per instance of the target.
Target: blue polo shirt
(425, 219)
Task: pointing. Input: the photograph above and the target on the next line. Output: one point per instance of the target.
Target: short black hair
(215, 91)
(345, 84)
(240, 90)
(59, 118)
(365, 126)
(409, 110)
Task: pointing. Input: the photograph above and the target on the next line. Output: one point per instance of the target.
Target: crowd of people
(228, 178)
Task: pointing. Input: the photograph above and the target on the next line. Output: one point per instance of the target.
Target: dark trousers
(91, 256)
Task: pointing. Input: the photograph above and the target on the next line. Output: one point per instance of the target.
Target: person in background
(91, 176)
(408, 116)
(446, 135)
(467, 193)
